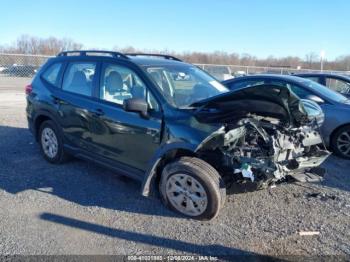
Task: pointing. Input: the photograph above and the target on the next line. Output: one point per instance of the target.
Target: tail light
(28, 89)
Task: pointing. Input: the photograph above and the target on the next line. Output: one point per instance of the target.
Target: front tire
(51, 143)
(193, 188)
(340, 142)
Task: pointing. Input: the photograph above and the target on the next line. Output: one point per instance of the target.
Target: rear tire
(340, 142)
(51, 143)
(193, 188)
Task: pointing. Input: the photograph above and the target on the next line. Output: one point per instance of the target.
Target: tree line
(26, 44)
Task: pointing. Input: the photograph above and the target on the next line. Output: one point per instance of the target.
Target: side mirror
(137, 105)
(312, 110)
(315, 98)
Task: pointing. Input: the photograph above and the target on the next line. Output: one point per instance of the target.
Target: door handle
(98, 112)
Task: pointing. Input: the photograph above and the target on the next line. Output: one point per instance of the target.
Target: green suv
(172, 126)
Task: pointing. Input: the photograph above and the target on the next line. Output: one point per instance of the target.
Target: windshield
(183, 85)
(325, 91)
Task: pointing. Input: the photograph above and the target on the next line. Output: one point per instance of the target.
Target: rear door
(75, 104)
(123, 136)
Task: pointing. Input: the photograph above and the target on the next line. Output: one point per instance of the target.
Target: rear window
(51, 73)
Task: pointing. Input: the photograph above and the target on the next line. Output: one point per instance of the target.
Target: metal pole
(322, 55)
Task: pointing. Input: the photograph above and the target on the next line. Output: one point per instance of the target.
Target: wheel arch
(334, 132)
(164, 156)
(40, 118)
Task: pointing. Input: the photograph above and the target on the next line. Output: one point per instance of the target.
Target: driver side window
(119, 83)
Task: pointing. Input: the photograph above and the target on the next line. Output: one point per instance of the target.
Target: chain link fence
(20, 65)
(224, 72)
(14, 66)
(17, 70)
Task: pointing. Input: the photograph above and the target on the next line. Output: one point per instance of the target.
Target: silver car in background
(336, 127)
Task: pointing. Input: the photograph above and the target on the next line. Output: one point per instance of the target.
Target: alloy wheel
(343, 143)
(49, 142)
(186, 194)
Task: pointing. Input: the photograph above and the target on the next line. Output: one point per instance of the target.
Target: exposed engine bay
(263, 149)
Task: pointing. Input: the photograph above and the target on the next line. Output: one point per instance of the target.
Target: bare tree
(310, 59)
(26, 44)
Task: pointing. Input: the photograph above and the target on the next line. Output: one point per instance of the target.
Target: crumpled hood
(265, 100)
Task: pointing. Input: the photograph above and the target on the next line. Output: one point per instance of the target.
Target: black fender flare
(46, 113)
(147, 187)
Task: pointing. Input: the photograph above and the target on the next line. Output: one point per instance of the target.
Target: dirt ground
(80, 208)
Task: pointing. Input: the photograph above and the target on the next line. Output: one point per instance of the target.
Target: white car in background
(2, 68)
(219, 72)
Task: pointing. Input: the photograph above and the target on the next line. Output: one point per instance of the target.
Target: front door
(123, 136)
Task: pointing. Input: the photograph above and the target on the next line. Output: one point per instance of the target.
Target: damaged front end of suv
(267, 135)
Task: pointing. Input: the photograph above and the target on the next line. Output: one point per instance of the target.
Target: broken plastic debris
(309, 233)
(247, 171)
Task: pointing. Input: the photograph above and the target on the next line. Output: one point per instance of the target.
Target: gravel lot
(80, 208)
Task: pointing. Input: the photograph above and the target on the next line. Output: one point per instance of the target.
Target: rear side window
(51, 74)
(78, 78)
(338, 85)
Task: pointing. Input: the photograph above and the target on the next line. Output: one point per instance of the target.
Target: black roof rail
(84, 53)
(156, 55)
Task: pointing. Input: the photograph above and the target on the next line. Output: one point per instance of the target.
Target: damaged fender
(150, 174)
